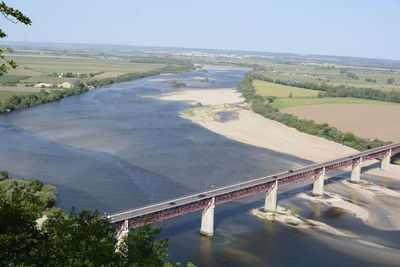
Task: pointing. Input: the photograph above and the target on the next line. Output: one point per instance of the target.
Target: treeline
(76, 239)
(138, 75)
(24, 101)
(254, 66)
(338, 91)
(79, 87)
(160, 60)
(261, 105)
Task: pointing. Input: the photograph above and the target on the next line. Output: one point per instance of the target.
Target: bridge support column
(356, 172)
(270, 198)
(124, 232)
(386, 161)
(318, 188)
(207, 219)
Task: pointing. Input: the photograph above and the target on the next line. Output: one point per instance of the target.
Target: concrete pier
(386, 161)
(356, 172)
(318, 188)
(120, 236)
(270, 198)
(207, 219)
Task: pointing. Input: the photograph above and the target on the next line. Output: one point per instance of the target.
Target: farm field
(369, 121)
(272, 89)
(282, 103)
(34, 68)
(334, 74)
(49, 65)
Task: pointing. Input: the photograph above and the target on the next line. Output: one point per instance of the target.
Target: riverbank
(43, 96)
(253, 129)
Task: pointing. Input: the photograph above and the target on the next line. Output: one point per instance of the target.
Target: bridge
(207, 200)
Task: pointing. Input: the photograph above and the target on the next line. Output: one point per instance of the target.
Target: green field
(11, 79)
(279, 90)
(48, 65)
(282, 103)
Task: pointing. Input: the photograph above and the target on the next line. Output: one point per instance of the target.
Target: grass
(279, 90)
(189, 112)
(5, 95)
(282, 103)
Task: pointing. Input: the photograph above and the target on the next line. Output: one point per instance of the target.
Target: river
(119, 147)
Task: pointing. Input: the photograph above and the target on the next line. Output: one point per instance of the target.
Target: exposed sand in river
(205, 97)
(253, 129)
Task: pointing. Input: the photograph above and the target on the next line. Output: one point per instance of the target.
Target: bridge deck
(179, 206)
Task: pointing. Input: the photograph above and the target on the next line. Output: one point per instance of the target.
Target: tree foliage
(14, 16)
(76, 239)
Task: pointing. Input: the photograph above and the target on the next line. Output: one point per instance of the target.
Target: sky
(336, 27)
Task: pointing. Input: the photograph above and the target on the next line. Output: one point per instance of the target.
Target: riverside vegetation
(263, 106)
(76, 239)
(79, 87)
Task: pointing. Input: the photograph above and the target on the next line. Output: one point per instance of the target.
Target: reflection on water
(112, 149)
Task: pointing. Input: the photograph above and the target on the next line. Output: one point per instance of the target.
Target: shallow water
(116, 147)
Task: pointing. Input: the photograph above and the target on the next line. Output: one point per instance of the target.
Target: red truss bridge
(124, 220)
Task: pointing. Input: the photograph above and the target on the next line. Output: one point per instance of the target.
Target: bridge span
(124, 220)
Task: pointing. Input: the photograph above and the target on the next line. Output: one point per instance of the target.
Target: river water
(119, 147)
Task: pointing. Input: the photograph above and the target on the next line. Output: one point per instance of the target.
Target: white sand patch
(206, 97)
(158, 80)
(285, 216)
(202, 78)
(253, 129)
(335, 200)
(371, 190)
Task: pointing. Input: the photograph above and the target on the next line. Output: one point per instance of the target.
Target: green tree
(21, 242)
(140, 248)
(15, 16)
(3, 175)
(81, 239)
(390, 81)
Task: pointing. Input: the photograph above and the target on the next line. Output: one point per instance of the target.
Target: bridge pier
(356, 172)
(318, 187)
(125, 231)
(386, 161)
(207, 219)
(270, 198)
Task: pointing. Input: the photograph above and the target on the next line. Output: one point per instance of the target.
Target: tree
(390, 81)
(3, 175)
(15, 16)
(21, 242)
(81, 239)
(140, 248)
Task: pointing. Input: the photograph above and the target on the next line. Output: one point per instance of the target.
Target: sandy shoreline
(253, 129)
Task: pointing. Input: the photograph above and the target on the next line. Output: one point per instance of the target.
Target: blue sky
(346, 28)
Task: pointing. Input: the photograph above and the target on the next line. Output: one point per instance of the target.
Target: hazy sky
(341, 27)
